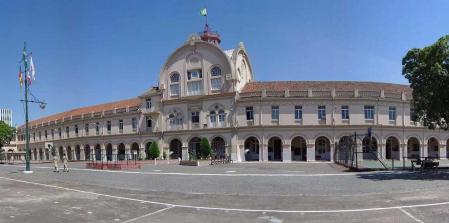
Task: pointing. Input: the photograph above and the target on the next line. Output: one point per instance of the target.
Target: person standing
(66, 165)
(55, 163)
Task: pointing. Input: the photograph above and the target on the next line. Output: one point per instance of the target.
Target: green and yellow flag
(203, 12)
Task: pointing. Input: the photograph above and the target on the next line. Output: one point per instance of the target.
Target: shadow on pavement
(435, 174)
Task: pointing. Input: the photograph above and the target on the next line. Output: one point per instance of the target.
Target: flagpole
(27, 138)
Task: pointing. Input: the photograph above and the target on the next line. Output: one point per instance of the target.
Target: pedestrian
(66, 165)
(55, 163)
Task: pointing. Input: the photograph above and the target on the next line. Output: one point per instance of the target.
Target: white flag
(32, 70)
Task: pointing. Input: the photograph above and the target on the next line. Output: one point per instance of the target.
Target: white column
(114, 152)
(425, 150)
(332, 151)
(185, 153)
(82, 154)
(264, 153)
(103, 152)
(286, 153)
(310, 152)
(383, 151)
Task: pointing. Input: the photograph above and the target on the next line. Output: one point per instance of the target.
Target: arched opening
(175, 149)
(275, 149)
(218, 146)
(147, 150)
(87, 152)
(369, 147)
(41, 154)
(322, 148)
(109, 152)
(35, 153)
(299, 149)
(135, 152)
(413, 148)
(433, 149)
(77, 152)
(61, 152)
(345, 150)
(194, 148)
(97, 152)
(392, 148)
(121, 152)
(69, 153)
(252, 149)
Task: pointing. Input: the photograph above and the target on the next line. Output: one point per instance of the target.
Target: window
(108, 127)
(86, 129)
(52, 133)
(213, 119)
(275, 112)
(134, 124)
(195, 88)
(97, 128)
(369, 112)
(76, 130)
(149, 122)
(59, 132)
(46, 134)
(148, 103)
(195, 117)
(215, 80)
(34, 136)
(175, 120)
(321, 112)
(40, 137)
(345, 112)
(392, 113)
(222, 118)
(194, 74)
(67, 129)
(120, 126)
(249, 113)
(174, 84)
(298, 112)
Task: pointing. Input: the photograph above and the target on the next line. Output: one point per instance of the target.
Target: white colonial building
(206, 91)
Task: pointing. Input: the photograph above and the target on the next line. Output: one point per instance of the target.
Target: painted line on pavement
(234, 174)
(146, 215)
(410, 215)
(227, 209)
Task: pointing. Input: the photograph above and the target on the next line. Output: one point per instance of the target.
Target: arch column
(311, 152)
(425, 150)
(264, 152)
(383, 151)
(185, 152)
(114, 152)
(359, 150)
(286, 153)
(332, 148)
(103, 152)
(82, 156)
(443, 154)
(128, 151)
(402, 149)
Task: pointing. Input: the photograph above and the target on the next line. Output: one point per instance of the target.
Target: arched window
(174, 84)
(219, 121)
(175, 120)
(215, 80)
(222, 118)
(213, 119)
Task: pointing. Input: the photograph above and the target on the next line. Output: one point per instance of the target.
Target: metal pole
(27, 141)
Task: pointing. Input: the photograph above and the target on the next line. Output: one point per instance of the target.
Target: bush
(206, 149)
(164, 155)
(154, 151)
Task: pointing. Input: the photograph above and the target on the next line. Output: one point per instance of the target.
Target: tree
(154, 151)
(205, 148)
(6, 135)
(427, 71)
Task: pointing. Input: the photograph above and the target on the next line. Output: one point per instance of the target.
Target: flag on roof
(203, 12)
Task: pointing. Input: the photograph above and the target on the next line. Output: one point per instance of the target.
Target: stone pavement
(261, 192)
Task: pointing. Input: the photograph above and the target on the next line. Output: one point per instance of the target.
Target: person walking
(55, 163)
(66, 165)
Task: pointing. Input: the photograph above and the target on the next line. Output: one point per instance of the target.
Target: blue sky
(90, 51)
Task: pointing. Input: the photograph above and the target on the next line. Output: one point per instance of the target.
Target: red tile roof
(87, 110)
(324, 85)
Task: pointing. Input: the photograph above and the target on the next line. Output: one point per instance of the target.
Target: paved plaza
(244, 192)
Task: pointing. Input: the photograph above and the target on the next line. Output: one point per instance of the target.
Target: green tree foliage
(154, 151)
(6, 135)
(427, 71)
(206, 149)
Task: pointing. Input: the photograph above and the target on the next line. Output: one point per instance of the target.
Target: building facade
(205, 91)
(6, 116)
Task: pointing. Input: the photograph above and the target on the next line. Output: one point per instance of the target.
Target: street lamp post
(42, 105)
